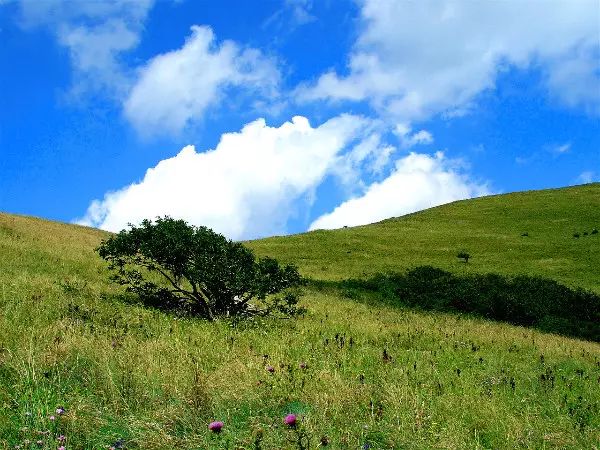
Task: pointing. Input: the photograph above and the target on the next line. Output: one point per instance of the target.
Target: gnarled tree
(176, 266)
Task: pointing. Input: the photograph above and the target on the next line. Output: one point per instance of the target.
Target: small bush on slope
(520, 300)
(175, 266)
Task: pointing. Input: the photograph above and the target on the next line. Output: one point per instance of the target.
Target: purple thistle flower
(60, 410)
(52, 418)
(61, 438)
(290, 420)
(215, 427)
(62, 447)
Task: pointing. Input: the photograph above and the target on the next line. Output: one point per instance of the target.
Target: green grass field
(376, 377)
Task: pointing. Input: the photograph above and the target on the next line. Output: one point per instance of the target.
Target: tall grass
(372, 376)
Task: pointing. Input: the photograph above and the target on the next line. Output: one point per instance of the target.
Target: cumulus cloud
(176, 87)
(248, 186)
(418, 181)
(96, 34)
(416, 59)
(171, 89)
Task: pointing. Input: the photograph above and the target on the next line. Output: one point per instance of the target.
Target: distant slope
(489, 228)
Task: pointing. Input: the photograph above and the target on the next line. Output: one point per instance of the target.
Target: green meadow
(358, 372)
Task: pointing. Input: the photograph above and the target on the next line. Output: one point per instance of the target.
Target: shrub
(463, 255)
(193, 270)
(521, 300)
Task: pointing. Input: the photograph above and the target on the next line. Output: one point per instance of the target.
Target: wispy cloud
(587, 176)
(97, 35)
(411, 61)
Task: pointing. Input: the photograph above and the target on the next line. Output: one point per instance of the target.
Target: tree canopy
(172, 265)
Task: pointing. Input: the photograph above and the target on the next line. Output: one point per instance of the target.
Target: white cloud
(96, 34)
(414, 59)
(248, 186)
(177, 87)
(561, 149)
(300, 11)
(575, 79)
(409, 139)
(370, 155)
(586, 177)
(419, 181)
(291, 15)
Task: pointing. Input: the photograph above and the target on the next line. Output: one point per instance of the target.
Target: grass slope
(380, 376)
(489, 228)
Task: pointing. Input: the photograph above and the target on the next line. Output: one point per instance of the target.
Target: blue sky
(277, 117)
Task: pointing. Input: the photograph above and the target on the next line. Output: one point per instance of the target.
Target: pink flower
(62, 447)
(270, 369)
(52, 418)
(60, 410)
(215, 427)
(290, 420)
(61, 438)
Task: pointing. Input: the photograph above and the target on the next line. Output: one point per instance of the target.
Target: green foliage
(463, 255)
(521, 300)
(200, 272)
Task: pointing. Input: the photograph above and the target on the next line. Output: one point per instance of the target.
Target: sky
(277, 117)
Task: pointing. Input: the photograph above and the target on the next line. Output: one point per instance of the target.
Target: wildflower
(40, 442)
(303, 365)
(270, 369)
(60, 411)
(62, 447)
(61, 438)
(290, 420)
(52, 418)
(28, 413)
(215, 427)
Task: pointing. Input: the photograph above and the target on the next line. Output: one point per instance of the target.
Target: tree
(172, 265)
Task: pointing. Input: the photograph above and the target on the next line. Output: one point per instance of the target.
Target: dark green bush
(463, 255)
(521, 300)
(193, 270)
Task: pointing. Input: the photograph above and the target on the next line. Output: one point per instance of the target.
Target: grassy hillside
(375, 377)
(489, 228)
